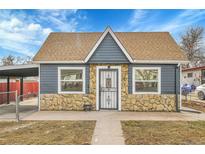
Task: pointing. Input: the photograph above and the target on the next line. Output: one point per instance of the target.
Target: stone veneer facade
(129, 102)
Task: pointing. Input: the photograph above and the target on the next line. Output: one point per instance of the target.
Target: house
(193, 76)
(125, 71)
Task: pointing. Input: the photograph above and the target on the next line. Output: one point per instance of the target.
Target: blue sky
(22, 32)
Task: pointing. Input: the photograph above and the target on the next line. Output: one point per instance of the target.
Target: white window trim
(59, 80)
(146, 68)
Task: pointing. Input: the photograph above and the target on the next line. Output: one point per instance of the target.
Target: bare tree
(27, 60)
(23, 60)
(192, 45)
(12, 60)
(8, 60)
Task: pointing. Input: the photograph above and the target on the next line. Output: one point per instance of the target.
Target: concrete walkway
(114, 115)
(108, 132)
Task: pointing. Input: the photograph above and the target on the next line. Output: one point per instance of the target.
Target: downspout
(39, 87)
(180, 90)
(177, 86)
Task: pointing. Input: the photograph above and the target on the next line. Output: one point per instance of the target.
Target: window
(146, 80)
(203, 73)
(108, 83)
(189, 75)
(71, 80)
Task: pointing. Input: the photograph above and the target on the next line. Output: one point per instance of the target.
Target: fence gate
(108, 89)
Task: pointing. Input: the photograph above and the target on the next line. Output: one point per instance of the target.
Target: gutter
(59, 62)
(161, 61)
(19, 66)
(133, 62)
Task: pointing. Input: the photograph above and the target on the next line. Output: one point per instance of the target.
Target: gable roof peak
(108, 30)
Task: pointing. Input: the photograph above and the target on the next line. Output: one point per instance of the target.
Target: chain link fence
(17, 107)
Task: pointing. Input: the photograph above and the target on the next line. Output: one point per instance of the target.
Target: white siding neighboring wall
(194, 80)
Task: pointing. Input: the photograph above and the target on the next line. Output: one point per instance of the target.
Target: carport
(20, 72)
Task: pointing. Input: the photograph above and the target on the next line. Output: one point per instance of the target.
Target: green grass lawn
(46, 132)
(164, 132)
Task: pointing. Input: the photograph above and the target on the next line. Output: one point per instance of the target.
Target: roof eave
(135, 61)
(19, 66)
(60, 62)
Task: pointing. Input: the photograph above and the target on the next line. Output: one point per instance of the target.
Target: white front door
(108, 89)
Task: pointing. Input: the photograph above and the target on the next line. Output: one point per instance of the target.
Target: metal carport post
(21, 88)
(8, 89)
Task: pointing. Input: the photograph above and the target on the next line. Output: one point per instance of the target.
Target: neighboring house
(128, 71)
(193, 76)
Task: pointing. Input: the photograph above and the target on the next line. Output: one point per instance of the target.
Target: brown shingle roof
(139, 45)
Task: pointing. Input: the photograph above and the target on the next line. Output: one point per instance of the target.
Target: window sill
(151, 93)
(71, 92)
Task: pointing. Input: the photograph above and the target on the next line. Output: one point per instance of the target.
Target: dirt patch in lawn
(194, 105)
(46, 132)
(164, 132)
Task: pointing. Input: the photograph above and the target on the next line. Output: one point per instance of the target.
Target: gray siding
(49, 77)
(168, 77)
(108, 52)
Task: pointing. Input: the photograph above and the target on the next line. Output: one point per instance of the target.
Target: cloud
(46, 31)
(11, 25)
(158, 20)
(62, 20)
(24, 31)
(184, 19)
(140, 20)
(19, 36)
(137, 17)
(34, 27)
(16, 47)
(153, 21)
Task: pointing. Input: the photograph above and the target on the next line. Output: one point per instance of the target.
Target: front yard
(47, 132)
(164, 132)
